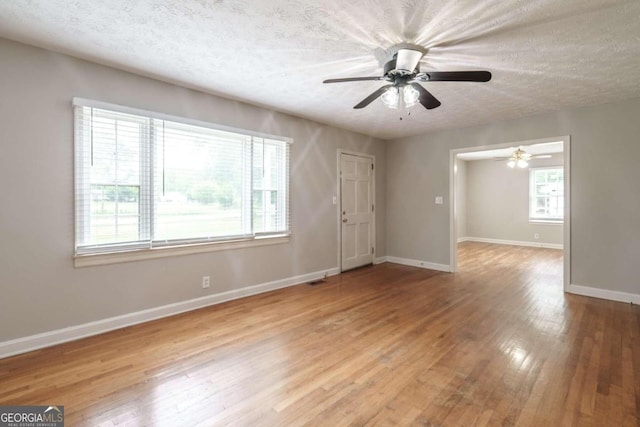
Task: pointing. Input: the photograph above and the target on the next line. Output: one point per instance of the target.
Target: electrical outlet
(536, 236)
(206, 282)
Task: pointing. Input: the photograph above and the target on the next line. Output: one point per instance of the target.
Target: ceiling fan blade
(408, 59)
(456, 76)
(427, 100)
(352, 79)
(369, 99)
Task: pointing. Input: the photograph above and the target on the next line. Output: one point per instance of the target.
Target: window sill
(546, 222)
(169, 251)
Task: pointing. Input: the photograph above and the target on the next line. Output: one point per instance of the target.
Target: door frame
(342, 151)
(566, 244)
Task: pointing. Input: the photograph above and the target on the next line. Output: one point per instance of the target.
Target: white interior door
(356, 184)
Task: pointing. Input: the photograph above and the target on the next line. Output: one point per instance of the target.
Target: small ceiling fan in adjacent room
(521, 158)
(403, 77)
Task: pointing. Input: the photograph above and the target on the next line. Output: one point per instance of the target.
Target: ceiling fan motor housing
(398, 77)
(391, 70)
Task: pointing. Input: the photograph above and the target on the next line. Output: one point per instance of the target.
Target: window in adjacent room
(144, 181)
(546, 194)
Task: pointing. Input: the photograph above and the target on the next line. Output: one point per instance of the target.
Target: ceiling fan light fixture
(391, 97)
(411, 96)
(519, 158)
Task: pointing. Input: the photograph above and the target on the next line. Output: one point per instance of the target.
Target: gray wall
(605, 200)
(41, 290)
(497, 202)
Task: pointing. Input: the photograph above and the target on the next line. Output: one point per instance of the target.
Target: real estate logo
(32, 416)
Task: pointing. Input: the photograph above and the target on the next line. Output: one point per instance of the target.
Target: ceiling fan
(404, 77)
(521, 158)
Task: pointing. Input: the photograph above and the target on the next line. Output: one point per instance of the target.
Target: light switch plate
(439, 200)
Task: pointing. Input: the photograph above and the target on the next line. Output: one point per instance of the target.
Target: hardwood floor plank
(497, 343)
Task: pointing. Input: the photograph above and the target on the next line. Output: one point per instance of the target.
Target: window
(144, 180)
(546, 194)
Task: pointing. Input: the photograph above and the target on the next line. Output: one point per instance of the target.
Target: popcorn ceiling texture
(544, 54)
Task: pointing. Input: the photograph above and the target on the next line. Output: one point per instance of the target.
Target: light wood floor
(496, 344)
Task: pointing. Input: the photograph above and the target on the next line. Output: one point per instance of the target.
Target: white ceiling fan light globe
(511, 164)
(410, 95)
(522, 163)
(391, 97)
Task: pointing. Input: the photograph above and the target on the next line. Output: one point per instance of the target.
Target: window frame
(124, 252)
(532, 197)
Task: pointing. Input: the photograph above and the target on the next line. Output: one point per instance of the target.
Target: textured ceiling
(544, 54)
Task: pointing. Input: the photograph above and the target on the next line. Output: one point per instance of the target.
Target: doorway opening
(514, 194)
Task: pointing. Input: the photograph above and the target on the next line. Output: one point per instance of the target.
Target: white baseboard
(47, 339)
(588, 291)
(462, 239)
(418, 263)
(379, 260)
(514, 243)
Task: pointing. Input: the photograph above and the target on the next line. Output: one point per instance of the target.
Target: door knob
(344, 219)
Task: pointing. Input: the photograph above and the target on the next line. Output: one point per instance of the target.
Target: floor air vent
(319, 281)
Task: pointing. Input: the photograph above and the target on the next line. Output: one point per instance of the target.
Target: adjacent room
(514, 196)
(296, 212)
(501, 201)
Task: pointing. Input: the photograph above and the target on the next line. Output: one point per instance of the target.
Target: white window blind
(546, 194)
(143, 181)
